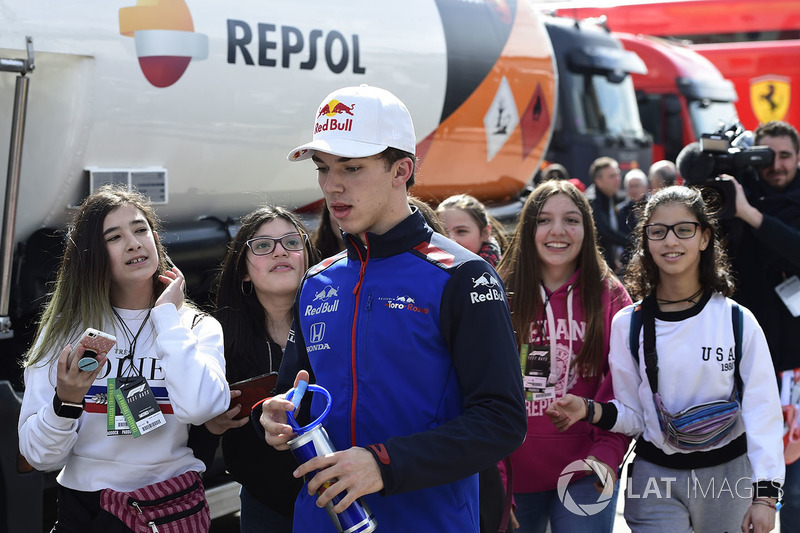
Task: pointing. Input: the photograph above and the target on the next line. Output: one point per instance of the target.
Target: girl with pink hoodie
(562, 297)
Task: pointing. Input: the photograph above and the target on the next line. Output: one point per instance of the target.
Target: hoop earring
(247, 293)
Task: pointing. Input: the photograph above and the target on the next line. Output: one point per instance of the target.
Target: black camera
(729, 150)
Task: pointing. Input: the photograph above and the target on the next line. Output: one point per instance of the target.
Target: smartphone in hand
(96, 343)
(253, 391)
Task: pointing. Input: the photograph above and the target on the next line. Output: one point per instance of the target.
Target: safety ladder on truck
(21, 487)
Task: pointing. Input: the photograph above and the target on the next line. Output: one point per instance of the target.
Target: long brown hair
(521, 271)
(82, 293)
(238, 308)
(641, 276)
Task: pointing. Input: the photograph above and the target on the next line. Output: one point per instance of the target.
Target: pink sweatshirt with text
(540, 460)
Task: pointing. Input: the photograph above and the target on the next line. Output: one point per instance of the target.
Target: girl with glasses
(693, 379)
(114, 277)
(255, 297)
(562, 297)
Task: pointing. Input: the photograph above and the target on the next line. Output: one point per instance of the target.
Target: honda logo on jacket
(317, 332)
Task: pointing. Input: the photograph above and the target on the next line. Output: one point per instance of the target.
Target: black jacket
(607, 237)
(765, 257)
(265, 472)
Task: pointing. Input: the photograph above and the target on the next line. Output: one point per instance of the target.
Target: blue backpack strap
(738, 320)
(636, 327)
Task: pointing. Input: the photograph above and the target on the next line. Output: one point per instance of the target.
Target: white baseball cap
(359, 122)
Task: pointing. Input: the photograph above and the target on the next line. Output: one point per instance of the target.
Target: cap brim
(340, 147)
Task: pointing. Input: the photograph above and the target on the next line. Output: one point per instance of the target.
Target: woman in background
(562, 298)
(255, 299)
(466, 221)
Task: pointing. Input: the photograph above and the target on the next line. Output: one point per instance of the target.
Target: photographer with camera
(767, 264)
(759, 202)
(766, 249)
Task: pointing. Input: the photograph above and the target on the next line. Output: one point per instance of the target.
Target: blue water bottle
(312, 440)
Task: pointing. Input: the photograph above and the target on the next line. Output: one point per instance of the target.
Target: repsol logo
(332, 47)
(324, 307)
(491, 295)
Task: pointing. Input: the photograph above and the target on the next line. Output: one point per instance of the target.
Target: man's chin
(774, 180)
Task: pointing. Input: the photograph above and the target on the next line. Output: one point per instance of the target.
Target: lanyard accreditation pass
(132, 406)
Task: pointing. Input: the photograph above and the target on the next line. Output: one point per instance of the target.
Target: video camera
(729, 150)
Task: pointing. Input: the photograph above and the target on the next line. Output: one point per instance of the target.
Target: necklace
(129, 336)
(690, 299)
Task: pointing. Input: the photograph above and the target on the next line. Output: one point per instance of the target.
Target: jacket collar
(410, 232)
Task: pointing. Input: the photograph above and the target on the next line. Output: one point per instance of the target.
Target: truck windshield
(603, 107)
(708, 116)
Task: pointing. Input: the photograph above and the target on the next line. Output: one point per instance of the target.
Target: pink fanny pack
(177, 505)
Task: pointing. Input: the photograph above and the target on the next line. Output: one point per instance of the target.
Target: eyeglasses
(291, 242)
(682, 230)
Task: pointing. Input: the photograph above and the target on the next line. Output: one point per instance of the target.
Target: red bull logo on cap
(334, 108)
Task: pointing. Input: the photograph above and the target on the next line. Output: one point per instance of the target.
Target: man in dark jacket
(766, 257)
(606, 177)
(408, 331)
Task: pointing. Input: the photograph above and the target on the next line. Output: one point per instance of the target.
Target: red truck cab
(753, 43)
(681, 96)
(766, 75)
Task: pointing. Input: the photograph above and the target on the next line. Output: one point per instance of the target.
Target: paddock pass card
(139, 406)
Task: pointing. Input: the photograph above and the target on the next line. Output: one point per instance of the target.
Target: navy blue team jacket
(412, 337)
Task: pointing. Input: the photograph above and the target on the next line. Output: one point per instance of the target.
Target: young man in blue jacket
(408, 331)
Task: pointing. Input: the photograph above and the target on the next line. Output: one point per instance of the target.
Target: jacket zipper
(357, 293)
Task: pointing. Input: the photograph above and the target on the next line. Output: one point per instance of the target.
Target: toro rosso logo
(165, 38)
(487, 282)
(404, 303)
(327, 117)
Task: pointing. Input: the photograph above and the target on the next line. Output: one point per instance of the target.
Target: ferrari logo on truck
(769, 97)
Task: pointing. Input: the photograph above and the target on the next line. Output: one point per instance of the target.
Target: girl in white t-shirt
(721, 473)
(114, 277)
